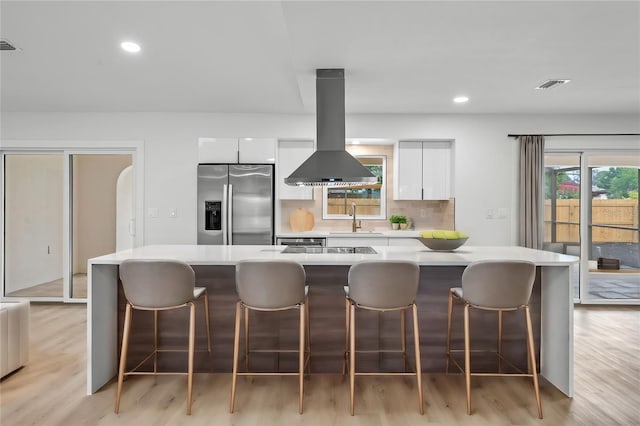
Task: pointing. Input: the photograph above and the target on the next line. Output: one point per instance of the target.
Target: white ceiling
(260, 57)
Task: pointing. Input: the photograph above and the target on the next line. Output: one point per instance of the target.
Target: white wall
(486, 166)
(33, 223)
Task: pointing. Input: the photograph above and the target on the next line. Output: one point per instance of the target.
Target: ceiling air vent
(552, 83)
(5, 45)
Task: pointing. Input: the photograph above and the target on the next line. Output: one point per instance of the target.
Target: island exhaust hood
(331, 164)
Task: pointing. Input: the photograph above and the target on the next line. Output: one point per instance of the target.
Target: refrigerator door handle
(230, 215)
(224, 214)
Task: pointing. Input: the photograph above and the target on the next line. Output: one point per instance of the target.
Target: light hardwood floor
(54, 288)
(50, 390)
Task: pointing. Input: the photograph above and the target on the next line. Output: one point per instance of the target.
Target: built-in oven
(309, 242)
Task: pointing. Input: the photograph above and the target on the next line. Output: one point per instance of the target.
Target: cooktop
(332, 250)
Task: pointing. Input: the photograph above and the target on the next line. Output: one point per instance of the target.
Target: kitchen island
(552, 307)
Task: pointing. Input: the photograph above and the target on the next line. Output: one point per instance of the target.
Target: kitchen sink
(355, 233)
(329, 250)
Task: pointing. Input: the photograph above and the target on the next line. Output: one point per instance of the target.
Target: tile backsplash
(437, 215)
(421, 214)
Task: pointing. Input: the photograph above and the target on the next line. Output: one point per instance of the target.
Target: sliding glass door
(34, 225)
(612, 233)
(61, 209)
(591, 211)
(562, 208)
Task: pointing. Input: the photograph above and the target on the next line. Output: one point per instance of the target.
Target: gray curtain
(531, 191)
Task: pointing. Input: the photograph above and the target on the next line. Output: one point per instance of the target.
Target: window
(370, 200)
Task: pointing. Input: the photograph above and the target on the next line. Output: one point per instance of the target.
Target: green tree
(562, 176)
(619, 182)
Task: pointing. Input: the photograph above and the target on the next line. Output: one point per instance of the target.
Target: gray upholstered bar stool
(159, 285)
(495, 286)
(270, 285)
(382, 286)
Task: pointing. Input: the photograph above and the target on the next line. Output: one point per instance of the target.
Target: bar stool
(270, 285)
(495, 286)
(382, 286)
(159, 285)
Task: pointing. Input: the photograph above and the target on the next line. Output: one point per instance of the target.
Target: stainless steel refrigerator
(235, 204)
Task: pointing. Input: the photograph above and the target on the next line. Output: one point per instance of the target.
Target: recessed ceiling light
(552, 83)
(460, 99)
(129, 46)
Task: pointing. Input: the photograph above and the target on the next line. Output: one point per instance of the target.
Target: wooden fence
(364, 206)
(604, 212)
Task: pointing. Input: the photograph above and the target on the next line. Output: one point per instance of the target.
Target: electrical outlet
(423, 213)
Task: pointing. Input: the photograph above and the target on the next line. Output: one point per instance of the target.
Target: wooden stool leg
(499, 332)
(416, 340)
(123, 354)
(449, 314)
(155, 341)
(352, 356)
(236, 343)
(403, 337)
(345, 362)
(301, 355)
(532, 359)
(207, 319)
(499, 341)
(246, 338)
(192, 345)
(467, 358)
(308, 332)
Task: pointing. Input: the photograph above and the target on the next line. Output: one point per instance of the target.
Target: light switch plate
(152, 212)
(173, 213)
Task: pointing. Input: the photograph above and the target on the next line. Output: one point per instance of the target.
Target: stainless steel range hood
(330, 164)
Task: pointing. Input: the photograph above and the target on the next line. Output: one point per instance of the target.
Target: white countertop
(230, 255)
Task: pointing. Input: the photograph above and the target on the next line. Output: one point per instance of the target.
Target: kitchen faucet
(354, 226)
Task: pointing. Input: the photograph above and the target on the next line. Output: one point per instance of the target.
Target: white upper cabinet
(217, 150)
(257, 150)
(237, 150)
(423, 170)
(407, 184)
(436, 170)
(290, 155)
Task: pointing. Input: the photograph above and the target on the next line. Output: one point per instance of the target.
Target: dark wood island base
(270, 330)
